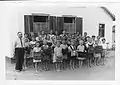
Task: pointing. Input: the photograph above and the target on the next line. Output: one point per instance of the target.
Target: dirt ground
(106, 72)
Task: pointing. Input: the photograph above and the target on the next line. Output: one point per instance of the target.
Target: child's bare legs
(25, 63)
(45, 65)
(64, 65)
(36, 66)
(73, 64)
(55, 65)
(103, 60)
(70, 64)
(58, 66)
(97, 61)
(80, 63)
(89, 62)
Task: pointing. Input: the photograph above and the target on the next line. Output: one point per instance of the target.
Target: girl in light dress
(37, 55)
(57, 59)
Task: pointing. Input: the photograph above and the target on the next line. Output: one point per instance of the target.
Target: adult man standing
(19, 52)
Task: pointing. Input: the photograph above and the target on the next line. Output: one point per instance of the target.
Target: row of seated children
(67, 53)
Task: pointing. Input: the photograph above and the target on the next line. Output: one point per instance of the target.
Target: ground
(106, 72)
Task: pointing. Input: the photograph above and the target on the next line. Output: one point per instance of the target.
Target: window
(102, 30)
(40, 18)
(69, 24)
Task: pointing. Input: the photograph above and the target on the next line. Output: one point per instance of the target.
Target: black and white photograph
(60, 41)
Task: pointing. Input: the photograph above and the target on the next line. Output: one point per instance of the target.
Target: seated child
(57, 59)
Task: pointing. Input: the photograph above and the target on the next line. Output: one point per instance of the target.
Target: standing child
(90, 50)
(64, 52)
(104, 45)
(58, 56)
(46, 55)
(81, 52)
(37, 55)
(98, 52)
(27, 52)
(72, 50)
(32, 43)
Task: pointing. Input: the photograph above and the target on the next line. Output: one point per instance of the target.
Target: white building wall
(92, 16)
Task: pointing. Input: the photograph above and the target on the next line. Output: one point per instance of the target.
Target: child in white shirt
(81, 52)
(32, 43)
(104, 45)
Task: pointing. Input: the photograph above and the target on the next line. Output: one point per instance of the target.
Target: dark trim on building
(109, 13)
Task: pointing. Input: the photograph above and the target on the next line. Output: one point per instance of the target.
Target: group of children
(65, 50)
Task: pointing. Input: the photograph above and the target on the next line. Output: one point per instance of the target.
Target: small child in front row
(97, 52)
(72, 50)
(37, 55)
(104, 45)
(58, 57)
(46, 55)
(81, 52)
(64, 52)
(27, 52)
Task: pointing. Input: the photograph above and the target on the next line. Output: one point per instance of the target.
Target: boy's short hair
(26, 34)
(93, 36)
(19, 32)
(88, 36)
